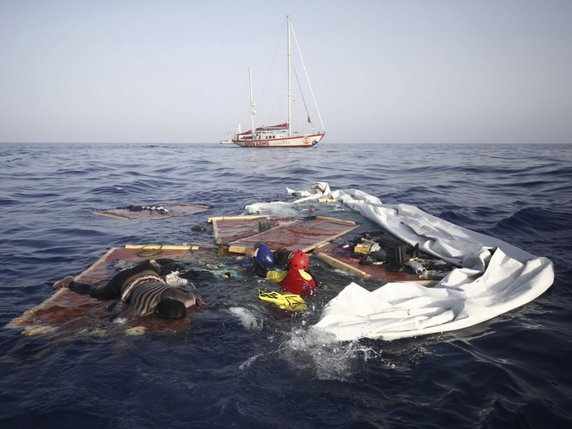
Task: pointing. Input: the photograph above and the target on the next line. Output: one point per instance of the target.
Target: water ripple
(509, 372)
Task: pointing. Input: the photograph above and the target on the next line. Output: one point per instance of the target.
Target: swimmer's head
(298, 260)
(170, 309)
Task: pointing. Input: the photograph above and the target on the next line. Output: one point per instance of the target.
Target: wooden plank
(349, 222)
(187, 248)
(62, 299)
(352, 266)
(68, 310)
(234, 218)
(341, 265)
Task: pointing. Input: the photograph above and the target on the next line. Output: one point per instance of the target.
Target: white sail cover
(494, 277)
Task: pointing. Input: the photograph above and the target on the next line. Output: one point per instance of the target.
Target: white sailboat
(279, 135)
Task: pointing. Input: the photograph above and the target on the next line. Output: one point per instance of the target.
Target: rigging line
(307, 77)
(303, 98)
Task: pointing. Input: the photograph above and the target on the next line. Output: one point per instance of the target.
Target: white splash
(327, 360)
(247, 363)
(247, 318)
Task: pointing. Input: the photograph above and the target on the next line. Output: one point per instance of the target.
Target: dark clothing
(259, 270)
(141, 287)
(145, 297)
(115, 287)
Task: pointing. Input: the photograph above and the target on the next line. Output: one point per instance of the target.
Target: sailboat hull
(308, 140)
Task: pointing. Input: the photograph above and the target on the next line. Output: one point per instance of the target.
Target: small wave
(537, 220)
(8, 202)
(249, 360)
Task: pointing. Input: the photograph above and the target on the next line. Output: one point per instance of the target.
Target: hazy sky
(490, 71)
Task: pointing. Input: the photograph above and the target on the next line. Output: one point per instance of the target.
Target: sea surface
(240, 365)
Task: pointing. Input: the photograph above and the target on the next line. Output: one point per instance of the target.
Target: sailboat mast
(252, 104)
(289, 79)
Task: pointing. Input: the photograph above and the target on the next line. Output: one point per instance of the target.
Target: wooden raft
(68, 310)
(232, 228)
(174, 210)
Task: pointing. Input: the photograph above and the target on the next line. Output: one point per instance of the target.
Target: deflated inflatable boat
(493, 277)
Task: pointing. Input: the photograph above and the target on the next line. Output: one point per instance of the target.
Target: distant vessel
(278, 135)
(227, 140)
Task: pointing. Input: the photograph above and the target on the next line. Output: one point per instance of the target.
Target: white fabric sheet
(494, 277)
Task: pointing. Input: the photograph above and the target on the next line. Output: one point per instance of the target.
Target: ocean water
(240, 365)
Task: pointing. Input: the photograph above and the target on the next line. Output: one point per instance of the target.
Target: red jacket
(299, 282)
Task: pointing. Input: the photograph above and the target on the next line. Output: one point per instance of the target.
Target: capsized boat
(279, 135)
(492, 276)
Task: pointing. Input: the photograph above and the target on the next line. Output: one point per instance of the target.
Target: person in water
(296, 279)
(143, 289)
(262, 260)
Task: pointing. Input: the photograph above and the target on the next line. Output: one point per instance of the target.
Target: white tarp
(494, 277)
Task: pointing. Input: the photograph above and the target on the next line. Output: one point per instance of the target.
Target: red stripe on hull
(305, 141)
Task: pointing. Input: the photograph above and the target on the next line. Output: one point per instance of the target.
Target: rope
(307, 78)
(303, 98)
(150, 252)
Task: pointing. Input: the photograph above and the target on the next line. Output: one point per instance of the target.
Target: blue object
(264, 257)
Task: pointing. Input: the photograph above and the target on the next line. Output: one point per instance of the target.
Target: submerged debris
(372, 248)
(158, 209)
